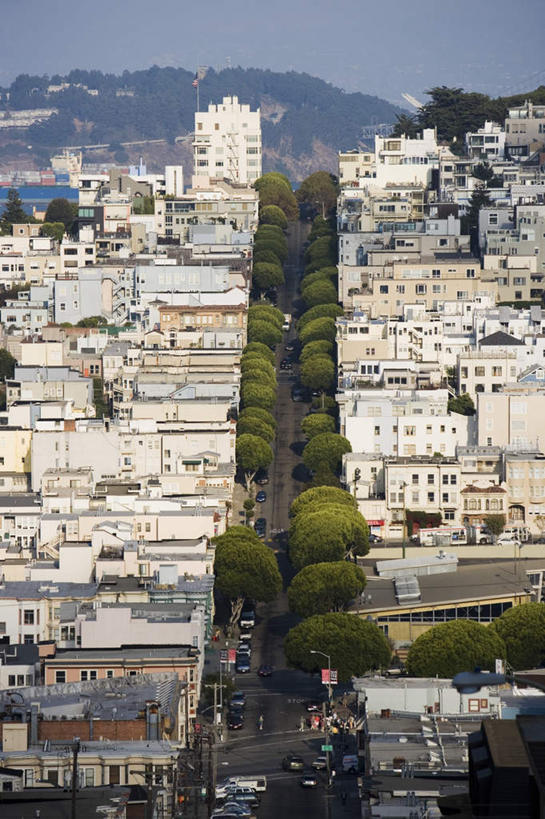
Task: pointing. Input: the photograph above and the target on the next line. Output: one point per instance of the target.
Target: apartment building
(486, 143)
(355, 167)
(429, 484)
(524, 130)
(481, 371)
(215, 311)
(227, 143)
(425, 285)
(405, 159)
(513, 417)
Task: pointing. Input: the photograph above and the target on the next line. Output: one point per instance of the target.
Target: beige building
(480, 501)
(355, 166)
(484, 372)
(15, 445)
(511, 418)
(425, 284)
(525, 485)
(524, 130)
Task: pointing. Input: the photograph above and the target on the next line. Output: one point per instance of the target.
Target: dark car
(238, 698)
(309, 780)
(235, 722)
(265, 670)
(290, 347)
(375, 538)
(292, 762)
(261, 496)
(261, 479)
(242, 665)
(286, 364)
(260, 526)
(298, 395)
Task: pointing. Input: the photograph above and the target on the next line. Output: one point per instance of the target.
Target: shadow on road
(297, 447)
(300, 473)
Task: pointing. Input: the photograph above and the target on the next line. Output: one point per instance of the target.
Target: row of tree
(518, 636)
(60, 216)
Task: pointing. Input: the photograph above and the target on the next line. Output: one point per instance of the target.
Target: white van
(256, 783)
(287, 322)
(515, 532)
(350, 763)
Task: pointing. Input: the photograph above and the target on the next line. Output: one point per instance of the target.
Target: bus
(443, 536)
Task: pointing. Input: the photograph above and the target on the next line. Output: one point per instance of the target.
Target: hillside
(305, 120)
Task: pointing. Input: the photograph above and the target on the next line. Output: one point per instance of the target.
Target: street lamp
(328, 658)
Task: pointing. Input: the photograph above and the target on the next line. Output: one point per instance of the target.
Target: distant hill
(305, 120)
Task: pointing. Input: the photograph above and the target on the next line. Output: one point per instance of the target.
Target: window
(114, 774)
(28, 617)
(28, 639)
(497, 371)
(449, 514)
(89, 777)
(415, 479)
(420, 289)
(84, 675)
(409, 431)
(11, 680)
(383, 288)
(60, 676)
(479, 372)
(431, 478)
(109, 673)
(431, 497)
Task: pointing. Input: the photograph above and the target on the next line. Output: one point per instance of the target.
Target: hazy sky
(381, 48)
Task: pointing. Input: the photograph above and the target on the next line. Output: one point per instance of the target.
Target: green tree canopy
(316, 348)
(320, 227)
(318, 276)
(318, 372)
(320, 329)
(257, 362)
(264, 332)
(92, 321)
(313, 425)
(495, 524)
(258, 395)
(60, 210)
(257, 412)
(273, 215)
(14, 212)
(54, 230)
(326, 449)
(279, 194)
(273, 243)
(264, 231)
(315, 498)
(325, 247)
(449, 648)
(267, 275)
(320, 292)
(261, 349)
(272, 178)
(255, 426)
(320, 311)
(318, 191)
(327, 534)
(462, 404)
(7, 364)
(522, 629)
(267, 256)
(324, 587)
(253, 454)
(245, 568)
(266, 312)
(258, 375)
(354, 645)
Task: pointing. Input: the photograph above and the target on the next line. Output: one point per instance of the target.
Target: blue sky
(381, 48)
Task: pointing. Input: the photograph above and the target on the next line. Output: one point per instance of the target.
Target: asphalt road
(280, 698)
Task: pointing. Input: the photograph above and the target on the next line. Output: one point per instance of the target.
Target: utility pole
(75, 751)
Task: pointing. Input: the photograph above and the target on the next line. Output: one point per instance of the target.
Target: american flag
(195, 82)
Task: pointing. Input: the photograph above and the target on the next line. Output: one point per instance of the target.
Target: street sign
(329, 676)
(223, 656)
(327, 747)
(232, 655)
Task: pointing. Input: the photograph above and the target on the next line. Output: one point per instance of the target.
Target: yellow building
(15, 444)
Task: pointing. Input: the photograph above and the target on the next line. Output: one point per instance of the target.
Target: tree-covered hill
(301, 114)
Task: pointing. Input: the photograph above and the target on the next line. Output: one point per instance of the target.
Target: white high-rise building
(227, 143)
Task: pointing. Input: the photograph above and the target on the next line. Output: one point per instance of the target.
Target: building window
(84, 676)
(109, 673)
(28, 617)
(414, 479)
(60, 676)
(431, 497)
(89, 777)
(431, 478)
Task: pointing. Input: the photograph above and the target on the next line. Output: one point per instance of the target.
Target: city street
(281, 698)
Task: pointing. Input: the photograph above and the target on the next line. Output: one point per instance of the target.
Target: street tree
(449, 648)
(275, 244)
(320, 227)
(7, 364)
(265, 332)
(266, 312)
(318, 191)
(462, 404)
(258, 395)
(258, 375)
(315, 348)
(277, 194)
(253, 453)
(355, 646)
(324, 403)
(319, 292)
(318, 276)
(522, 629)
(261, 414)
(254, 426)
(323, 477)
(255, 361)
(262, 349)
(245, 568)
(319, 311)
(14, 212)
(313, 425)
(327, 534)
(326, 449)
(495, 524)
(324, 587)
(60, 210)
(272, 178)
(318, 329)
(267, 275)
(324, 247)
(264, 231)
(53, 230)
(273, 215)
(315, 498)
(266, 256)
(318, 372)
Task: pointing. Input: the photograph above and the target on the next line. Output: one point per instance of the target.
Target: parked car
(244, 648)
(290, 347)
(242, 665)
(309, 780)
(265, 670)
(298, 394)
(235, 722)
(232, 809)
(245, 635)
(260, 527)
(286, 364)
(292, 762)
(261, 479)
(261, 496)
(375, 538)
(241, 795)
(320, 763)
(247, 618)
(238, 698)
